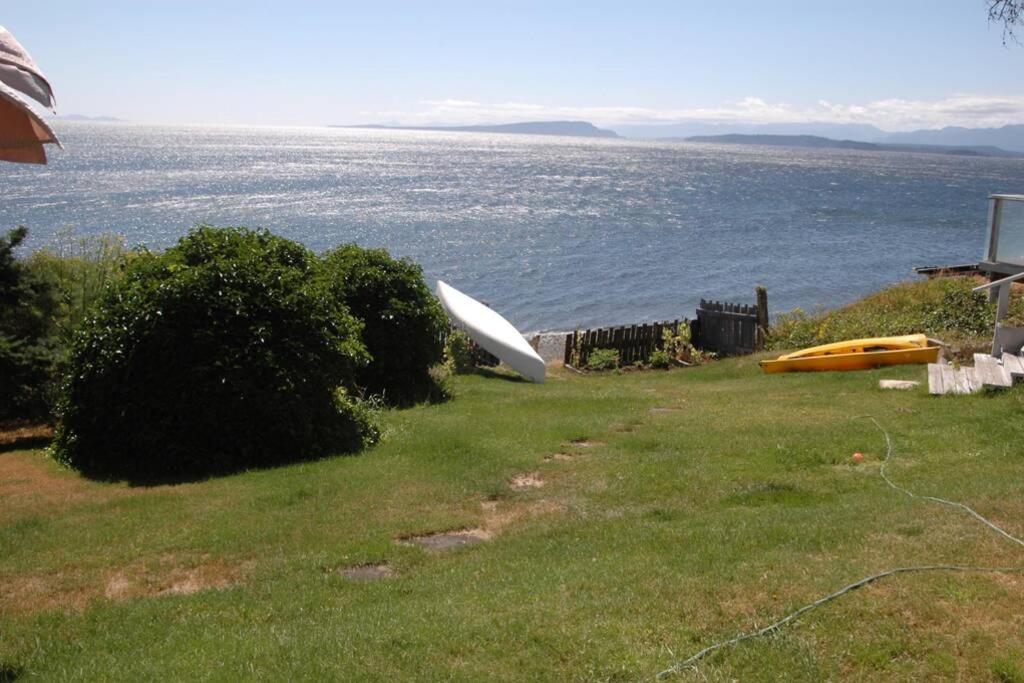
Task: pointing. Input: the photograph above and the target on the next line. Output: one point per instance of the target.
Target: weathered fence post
(762, 317)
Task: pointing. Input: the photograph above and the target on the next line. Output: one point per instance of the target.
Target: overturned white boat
(492, 332)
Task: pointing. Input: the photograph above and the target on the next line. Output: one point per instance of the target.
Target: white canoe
(491, 332)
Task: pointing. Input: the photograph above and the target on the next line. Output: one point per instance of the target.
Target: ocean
(554, 233)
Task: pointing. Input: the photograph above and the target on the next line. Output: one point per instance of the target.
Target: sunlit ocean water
(553, 232)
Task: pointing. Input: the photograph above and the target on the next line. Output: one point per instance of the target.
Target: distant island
(815, 141)
(576, 129)
(80, 117)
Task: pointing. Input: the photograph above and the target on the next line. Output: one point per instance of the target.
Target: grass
(667, 530)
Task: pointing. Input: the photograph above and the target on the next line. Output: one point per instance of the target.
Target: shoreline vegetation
(79, 267)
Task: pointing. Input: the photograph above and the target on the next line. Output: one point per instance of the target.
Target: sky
(896, 64)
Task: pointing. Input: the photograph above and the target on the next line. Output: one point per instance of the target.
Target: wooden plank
(965, 381)
(989, 371)
(949, 379)
(1014, 365)
(936, 379)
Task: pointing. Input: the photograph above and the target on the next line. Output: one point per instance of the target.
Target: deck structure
(1004, 264)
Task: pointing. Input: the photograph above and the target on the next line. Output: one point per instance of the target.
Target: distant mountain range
(580, 129)
(1010, 138)
(982, 141)
(846, 131)
(828, 143)
(1007, 137)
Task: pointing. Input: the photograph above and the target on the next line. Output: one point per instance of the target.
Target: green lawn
(667, 531)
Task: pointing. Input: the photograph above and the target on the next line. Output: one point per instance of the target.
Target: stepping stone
(901, 384)
(447, 540)
(367, 572)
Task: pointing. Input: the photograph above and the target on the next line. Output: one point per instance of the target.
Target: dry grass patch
(168, 576)
(529, 480)
(498, 515)
(31, 483)
(24, 435)
(74, 590)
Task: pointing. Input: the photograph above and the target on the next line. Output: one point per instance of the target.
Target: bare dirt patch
(367, 572)
(529, 480)
(497, 515)
(562, 457)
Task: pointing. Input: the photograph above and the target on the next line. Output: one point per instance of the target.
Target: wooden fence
(727, 329)
(633, 342)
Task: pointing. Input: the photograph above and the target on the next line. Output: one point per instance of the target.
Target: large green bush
(28, 303)
(223, 353)
(404, 325)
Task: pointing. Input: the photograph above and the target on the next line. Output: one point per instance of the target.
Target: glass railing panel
(1010, 231)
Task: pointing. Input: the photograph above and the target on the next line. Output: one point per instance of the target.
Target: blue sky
(898, 64)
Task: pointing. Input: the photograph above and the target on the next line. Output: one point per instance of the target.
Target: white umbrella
(18, 71)
(22, 132)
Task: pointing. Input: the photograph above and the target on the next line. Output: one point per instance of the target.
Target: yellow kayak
(857, 354)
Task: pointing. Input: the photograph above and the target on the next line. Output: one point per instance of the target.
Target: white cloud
(890, 114)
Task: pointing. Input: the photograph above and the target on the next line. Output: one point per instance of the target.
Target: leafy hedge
(222, 353)
(403, 324)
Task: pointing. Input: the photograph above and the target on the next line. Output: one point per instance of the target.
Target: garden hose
(691, 662)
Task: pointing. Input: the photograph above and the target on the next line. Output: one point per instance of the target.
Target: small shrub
(700, 357)
(679, 347)
(459, 355)
(403, 323)
(660, 359)
(603, 359)
(221, 354)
